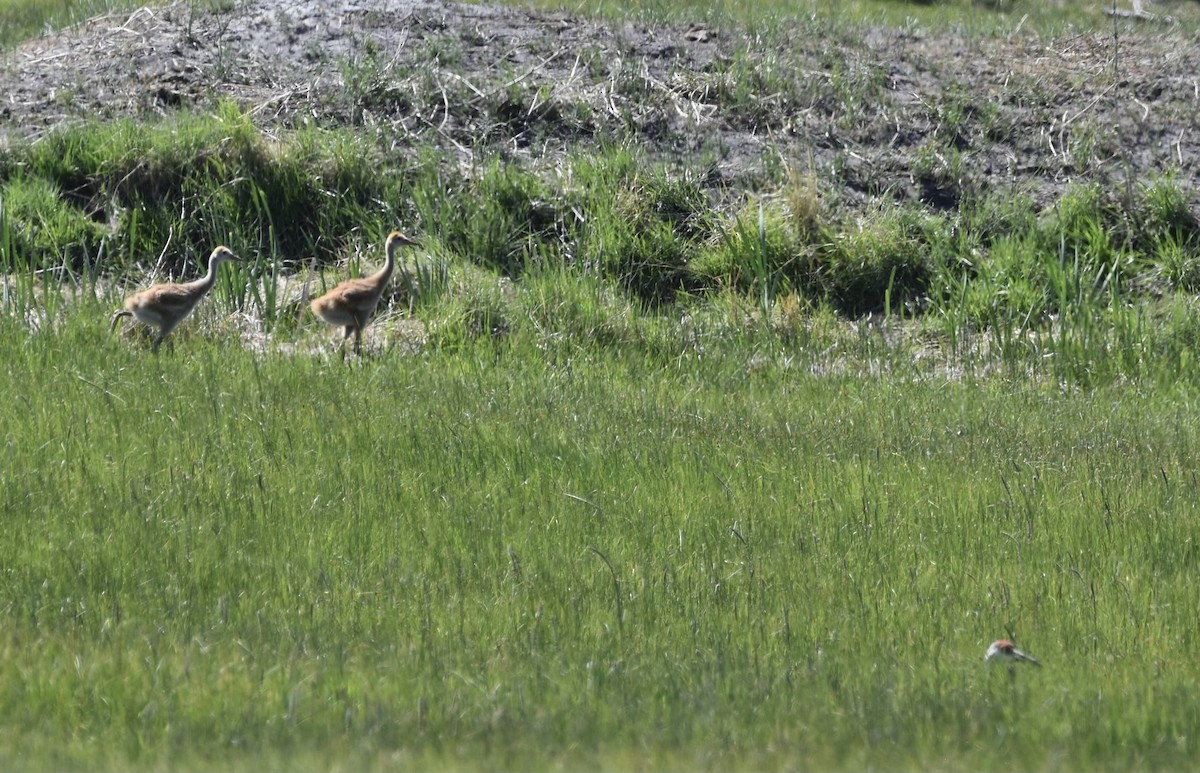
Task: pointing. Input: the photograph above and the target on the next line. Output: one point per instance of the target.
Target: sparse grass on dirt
(752, 377)
(22, 19)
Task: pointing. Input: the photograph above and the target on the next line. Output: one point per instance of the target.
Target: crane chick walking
(164, 306)
(352, 303)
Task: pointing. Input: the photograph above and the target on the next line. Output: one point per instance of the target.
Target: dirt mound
(935, 118)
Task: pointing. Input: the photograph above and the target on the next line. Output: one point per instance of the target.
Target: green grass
(126, 199)
(509, 555)
(972, 17)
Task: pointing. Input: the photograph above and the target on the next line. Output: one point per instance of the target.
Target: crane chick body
(352, 303)
(164, 306)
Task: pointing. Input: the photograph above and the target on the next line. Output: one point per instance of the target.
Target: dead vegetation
(871, 112)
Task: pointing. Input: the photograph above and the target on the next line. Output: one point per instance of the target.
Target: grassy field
(507, 556)
(626, 478)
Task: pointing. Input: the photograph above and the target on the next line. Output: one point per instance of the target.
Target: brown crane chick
(352, 303)
(164, 306)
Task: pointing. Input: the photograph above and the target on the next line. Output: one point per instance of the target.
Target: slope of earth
(872, 112)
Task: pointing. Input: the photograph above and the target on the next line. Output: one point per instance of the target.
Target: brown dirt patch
(933, 118)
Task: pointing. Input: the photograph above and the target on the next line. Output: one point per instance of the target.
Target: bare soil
(872, 112)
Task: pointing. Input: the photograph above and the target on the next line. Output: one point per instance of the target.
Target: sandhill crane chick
(1003, 649)
(352, 303)
(164, 306)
